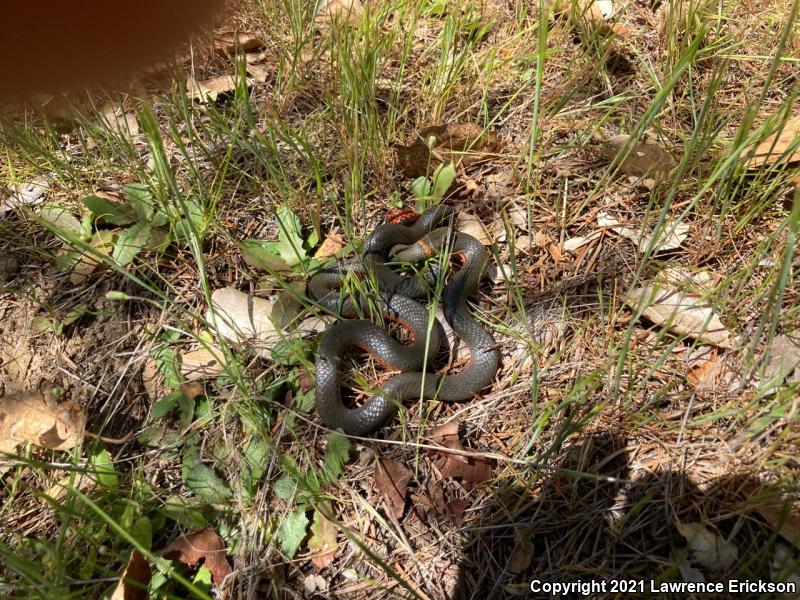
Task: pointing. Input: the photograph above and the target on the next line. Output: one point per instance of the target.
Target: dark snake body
(419, 241)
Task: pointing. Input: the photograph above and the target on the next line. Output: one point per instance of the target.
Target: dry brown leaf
(226, 42)
(36, 418)
(203, 363)
(153, 380)
(118, 121)
(781, 361)
(669, 237)
(391, 481)
(707, 548)
(646, 160)
(711, 374)
(323, 543)
(203, 545)
(244, 318)
(135, 579)
(783, 566)
(472, 225)
(77, 481)
(522, 555)
(456, 509)
(340, 11)
(776, 147)
(778, 513)
(330, 246)
(681, 312)
(587, 12)
(209, 89)
(259, 73)
(461, 143)
(468, 468)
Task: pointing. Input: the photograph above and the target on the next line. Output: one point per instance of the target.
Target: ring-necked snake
(402, 243)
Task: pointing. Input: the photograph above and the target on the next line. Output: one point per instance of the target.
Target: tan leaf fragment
(780, 516)
(331, 246)
(781, 360)
(681, 312)
(669, 237)
(226, 42)
(203, 363)
(461, 143)
(203, 545)
(468, 468)
(209, 90)
(391, 481)
(80, 481)
(708, 548)
(340, 11)
(117, 120)
(783, 145)
(323, 543)
(35, 418)
(646, 160)
(135, 579)
(472, 225)
(243, 318)
(711, 374)
(259, 73)
(522, 555)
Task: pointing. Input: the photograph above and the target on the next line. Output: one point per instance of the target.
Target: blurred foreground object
(48, 45)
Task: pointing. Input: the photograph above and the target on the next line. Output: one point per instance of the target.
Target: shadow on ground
(594, 519)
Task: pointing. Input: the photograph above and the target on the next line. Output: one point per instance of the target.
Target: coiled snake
(405, 243)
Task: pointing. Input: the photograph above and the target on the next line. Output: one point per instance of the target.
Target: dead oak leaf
(461, 143)
(707, 547)
(33, 417)
(468, 468)
(226, 42)
(135, 579)
(391, 480)
(203, 545)
(682, 313)
(783, 145)
(646, 160)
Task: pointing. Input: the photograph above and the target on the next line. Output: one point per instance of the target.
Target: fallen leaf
(781, 360)
(81, 481)
(314, 583)
(669, 237)
(118, 121)
(587, 12)
(244, 318)
(783, 145)
(209, 90)
(259, 73)
(468, 468)
(572, 244)
(646, 160)
(340, 11)
(461, 143)
(391, 481)
(330, 246)
(522, 555)
(682, 313)
(133, 585)
(472, 225)
(203, 545)
(193, 390)
(518, 216)
(711, 374)
(35, 418)
(456, 509)
(203, 363)
(322, 542)
(707, 548)
(780, 516)
(28, 193)
(226, 42)
(688, 572)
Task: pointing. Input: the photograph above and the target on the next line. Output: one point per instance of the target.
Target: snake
(406, 237)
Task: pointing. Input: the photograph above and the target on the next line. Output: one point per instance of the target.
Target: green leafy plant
(142, 221)
(290, 251)
(432, 191)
